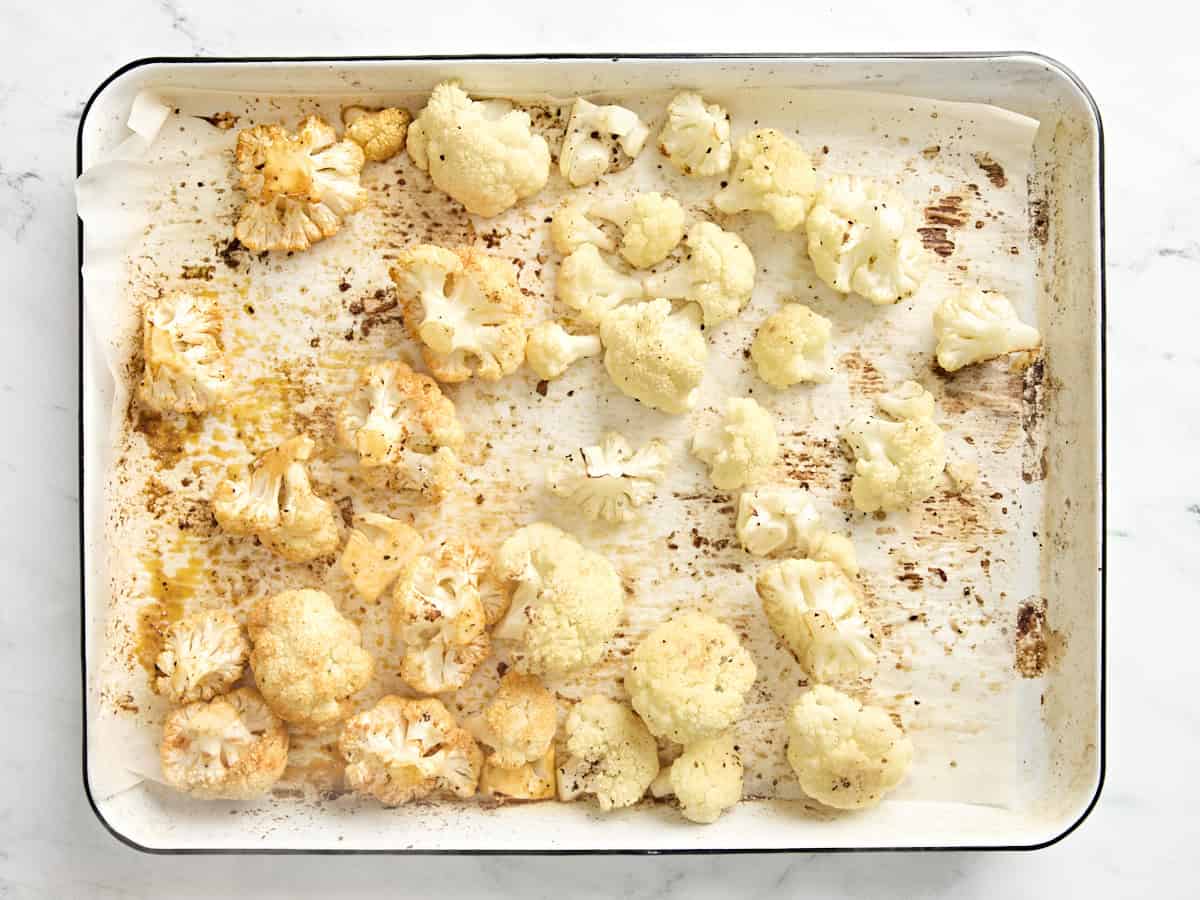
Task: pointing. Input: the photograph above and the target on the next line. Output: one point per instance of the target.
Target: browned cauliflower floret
(299, 188)
(376, 553)
(277, 505)
(532, 781)
(202, 656)
(520, 721)
(308, 658)
(186, 370)
(230, 748)
(402, 750)
(380, 132)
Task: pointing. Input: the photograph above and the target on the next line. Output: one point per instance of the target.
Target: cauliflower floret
(782, 519)
(307, 659)
(696, 137)
(202, 656)
(466, 308)
(654, 355)
(975, 325)
(590, 286)
(793, 346)
(437, 613)
(186, 370)
(399, 419)
(567, 601)
(706, 779)
(846, 755)
(900, 463)
(276, 503)
(772, 175)
(299, 188)
(529, 781)
(376, 553)
(963, 475)
(861, 239)
(742, 448)
(688, 678)
(520, 722)
(610, 754)
(717, 272)
(571, 229)
(380, 132)
(481, 154)
(651, 226)
(908, 401)
(592, 130)
(228, 748)
(402, 750)
(551, 350)
(611, 481)
(813, 607)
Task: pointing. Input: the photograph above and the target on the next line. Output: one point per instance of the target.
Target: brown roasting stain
(1033, 410)
(169, 595)
(942, 215)
(165, 436)
(936, 238)
(221, 120)
(864, 377)
(1038, 646)
(1039, 220)
(199, 272)
(932, 151)
(991, 168)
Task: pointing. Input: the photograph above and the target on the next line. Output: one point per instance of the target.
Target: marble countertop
(1140, 64)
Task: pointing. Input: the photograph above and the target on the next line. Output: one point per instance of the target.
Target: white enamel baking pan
(1061, 765)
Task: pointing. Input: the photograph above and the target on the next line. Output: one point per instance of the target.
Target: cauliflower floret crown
(186, 370)
(203, 655)
(772, 175)
(742, 448)
(611, 755)
(654, 355)
(793, 346)
(974, 325)
(695, 137)
(610, 481)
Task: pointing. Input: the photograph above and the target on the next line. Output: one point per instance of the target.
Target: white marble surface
(1140, 63)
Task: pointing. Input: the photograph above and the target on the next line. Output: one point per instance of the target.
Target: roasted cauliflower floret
(651, 226)
(380, 132)
(846, 755)
(975, 325)
(437, 613)
(654, 355)
(377, 552)
(706, 779)
(772, 175)
(611, 481)
(520, 721)
(742, 448)
(782, 519)
(814, 608)
(529, 781)
(908, 401)
(276, 504)
(793, 346)
(203, 655)
(228, 748)
(567, 601)
(307, 659)
(551, 349)
(299, 188)
(402, 750)
(571, 228)
(717, 272)
(861, 239)
(186, 371)
(688, 678)
(593, 134)
(591, 286)
(696, 136)
(610, 754)
(483, 154)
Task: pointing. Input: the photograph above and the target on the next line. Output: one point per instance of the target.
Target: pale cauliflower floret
(782, 519)
(793, 346)
(772, 175)
(380, 132)
(484, 155)
(299, 188)
(307, 659)
(610, 754)
(402, 750)
(861, 239)
(466, 308)
(611, 481)
(651, 226)
(975, 325)
(571, 229)
(276, 503)
(186, 370)
(654, 355)
(695, 137)
(592, 132)
(706, 779)
(908, 401)
(592, 287)
(845, 755)
(551, 349)
(520, 721)
(399, 420)
(963, 475)
(529, 781)
(717, 272)
(202, 656)
(567, 601)
(742, 448)
(688, 678)
(376, 553)
(229, 748)
(437, 613)
(813, 607)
